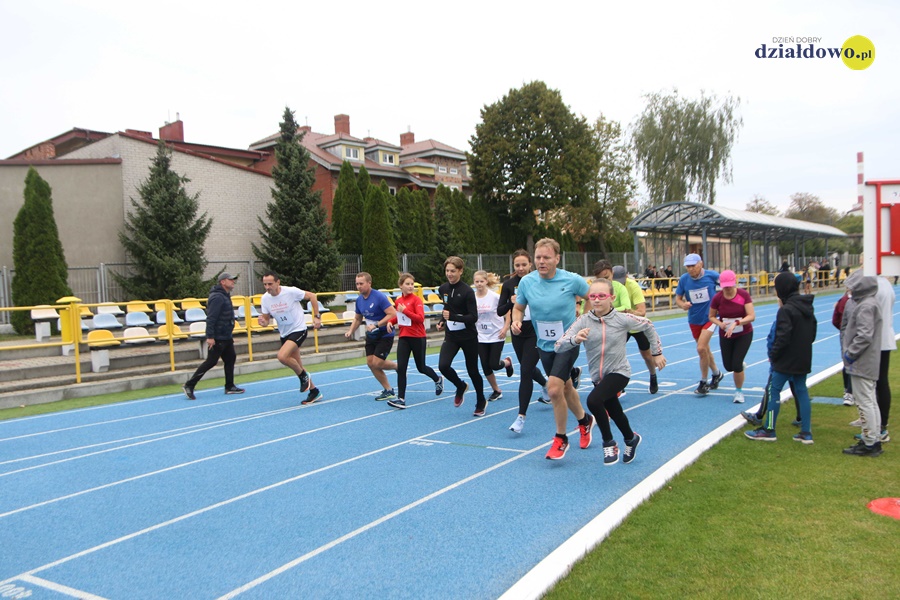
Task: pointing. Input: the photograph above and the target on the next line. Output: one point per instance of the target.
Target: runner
(411, 321)
(604, 332)
(492, 330)
(693, 294)
(459, 316)
(732, 312)
(553, 296)
(639, 308)
(375, 308)
(524, 343)
(281, 303)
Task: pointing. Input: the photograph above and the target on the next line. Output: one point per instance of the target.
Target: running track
(258, 497)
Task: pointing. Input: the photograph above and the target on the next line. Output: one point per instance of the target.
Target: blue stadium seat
(193, 315)
(106, 321)
(137, 319)
(161, 317)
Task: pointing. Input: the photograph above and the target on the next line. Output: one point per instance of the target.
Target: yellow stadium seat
(330, 318)
(138, 306)
(101, 338)
(190, 303)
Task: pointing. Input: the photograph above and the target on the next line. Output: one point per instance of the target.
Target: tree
(448, 240)
(683, 146)
(379, 257)
(530, 154)
(296, 240)
(347, 211)
(762, 206)
(808, 207)
(461, 220)
(164, 238)
(41, 274)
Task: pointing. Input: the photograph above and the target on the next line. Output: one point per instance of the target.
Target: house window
(387, 159)
(454, 187)
(392, 191)
(352, 153)
(442, 169)
(454, 171)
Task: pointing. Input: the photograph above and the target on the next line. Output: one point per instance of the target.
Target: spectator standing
(886, 298)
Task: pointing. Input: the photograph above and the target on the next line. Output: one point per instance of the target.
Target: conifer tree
(41, 273)
(409, 226)
(379, 252)
(164, 238)
(347, 212)
(296, 238)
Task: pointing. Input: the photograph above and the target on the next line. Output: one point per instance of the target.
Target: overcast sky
(229, 70)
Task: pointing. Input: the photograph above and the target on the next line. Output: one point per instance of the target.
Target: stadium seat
(137, 319)
(330, 318)
(189, 303)
(177, 334)
(192, 315)
(197, 329)
(348, 315)
(138, 306)
(137, 335)
(44, 312)
(86, 312)
(433, 299)
(113, 309)
(161, 317)
(242, 312)
(105, 321)
(101, 338)
(437, 308)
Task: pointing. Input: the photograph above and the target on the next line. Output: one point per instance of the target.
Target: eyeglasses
(599, 296)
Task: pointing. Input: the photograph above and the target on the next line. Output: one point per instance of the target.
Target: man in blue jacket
(219, 337)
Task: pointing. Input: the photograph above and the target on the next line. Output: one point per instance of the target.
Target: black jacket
(219, 315)
(795, 332)
(459, 300)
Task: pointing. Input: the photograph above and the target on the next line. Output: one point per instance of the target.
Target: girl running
(411, 321)
(492, 330)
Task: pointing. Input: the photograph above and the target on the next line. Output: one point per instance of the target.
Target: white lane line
(59, 588)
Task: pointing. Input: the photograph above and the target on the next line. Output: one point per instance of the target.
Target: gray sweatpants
(869, 415)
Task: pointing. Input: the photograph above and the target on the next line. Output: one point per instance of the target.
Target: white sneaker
(545, 396)
(738, 398)
(856, 423)
(518, 424)
(848, 399)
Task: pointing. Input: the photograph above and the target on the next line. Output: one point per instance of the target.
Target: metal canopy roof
(693, 218)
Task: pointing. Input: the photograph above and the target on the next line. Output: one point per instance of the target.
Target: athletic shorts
(297, 337)
(696, 329)
(560, 364)
(642, 341)
(380, 347)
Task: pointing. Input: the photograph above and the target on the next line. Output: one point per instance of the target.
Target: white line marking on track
(59, 588)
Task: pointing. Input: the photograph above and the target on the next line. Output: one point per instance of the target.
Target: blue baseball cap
(692, 259)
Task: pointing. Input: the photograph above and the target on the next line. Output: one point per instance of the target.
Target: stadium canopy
(705, 220)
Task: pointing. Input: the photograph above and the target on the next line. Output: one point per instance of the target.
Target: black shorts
(297, 337)
(642, 341)
(560, 364)
(380, 347)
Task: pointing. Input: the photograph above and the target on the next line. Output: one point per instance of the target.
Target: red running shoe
(586, 432)
(458, 399)
(558, 449)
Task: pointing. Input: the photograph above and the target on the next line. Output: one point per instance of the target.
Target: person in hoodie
(604, 331)
(861, 330)
(790, 356)
(219, 337)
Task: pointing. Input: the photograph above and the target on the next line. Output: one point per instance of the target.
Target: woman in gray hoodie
(861, 348)
(604, 331)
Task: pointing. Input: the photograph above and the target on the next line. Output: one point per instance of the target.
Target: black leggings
(734, 351)
(883, 388)
(489, 353)
(604, 400)
(449, 349)
(529, 374)
(416, 346)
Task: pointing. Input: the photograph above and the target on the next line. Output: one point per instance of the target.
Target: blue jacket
(219, 315)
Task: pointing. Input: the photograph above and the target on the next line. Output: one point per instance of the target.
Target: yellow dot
(858, 52)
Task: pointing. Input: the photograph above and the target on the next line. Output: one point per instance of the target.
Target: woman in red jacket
(411, 321)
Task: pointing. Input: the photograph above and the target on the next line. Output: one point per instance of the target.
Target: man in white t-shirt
(281, 304)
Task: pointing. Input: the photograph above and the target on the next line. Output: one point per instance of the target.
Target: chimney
(342, 124)
(407, 139)
(172, 132)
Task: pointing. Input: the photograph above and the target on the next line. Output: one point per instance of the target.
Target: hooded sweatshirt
(795, 328)
(861, 328)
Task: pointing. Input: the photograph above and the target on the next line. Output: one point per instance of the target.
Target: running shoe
(189, 392)
(585, 431)
(848, 399)
(385, 395)
(479, 411)
(610, 453)
(738, 398)
(544, 398)
(557, 449)
(518, 424)
(397, 403)
(495, 396)
(314, 396)
(576, 377)
(884, 437)
(304, 381)
(654, 384)
(714, 382)
(751, 417)
(761, 434)
(860, 449)
(234, 390)
(856, 423)
(439, 386)
(702, 389)
(458, 399)
(509, 366)
(631, 448)
(804, 437)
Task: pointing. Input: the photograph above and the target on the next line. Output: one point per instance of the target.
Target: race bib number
(737, 328)
(371, 322)
(550, 330)
(699, 296)
(402, 319)
(455, 325)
